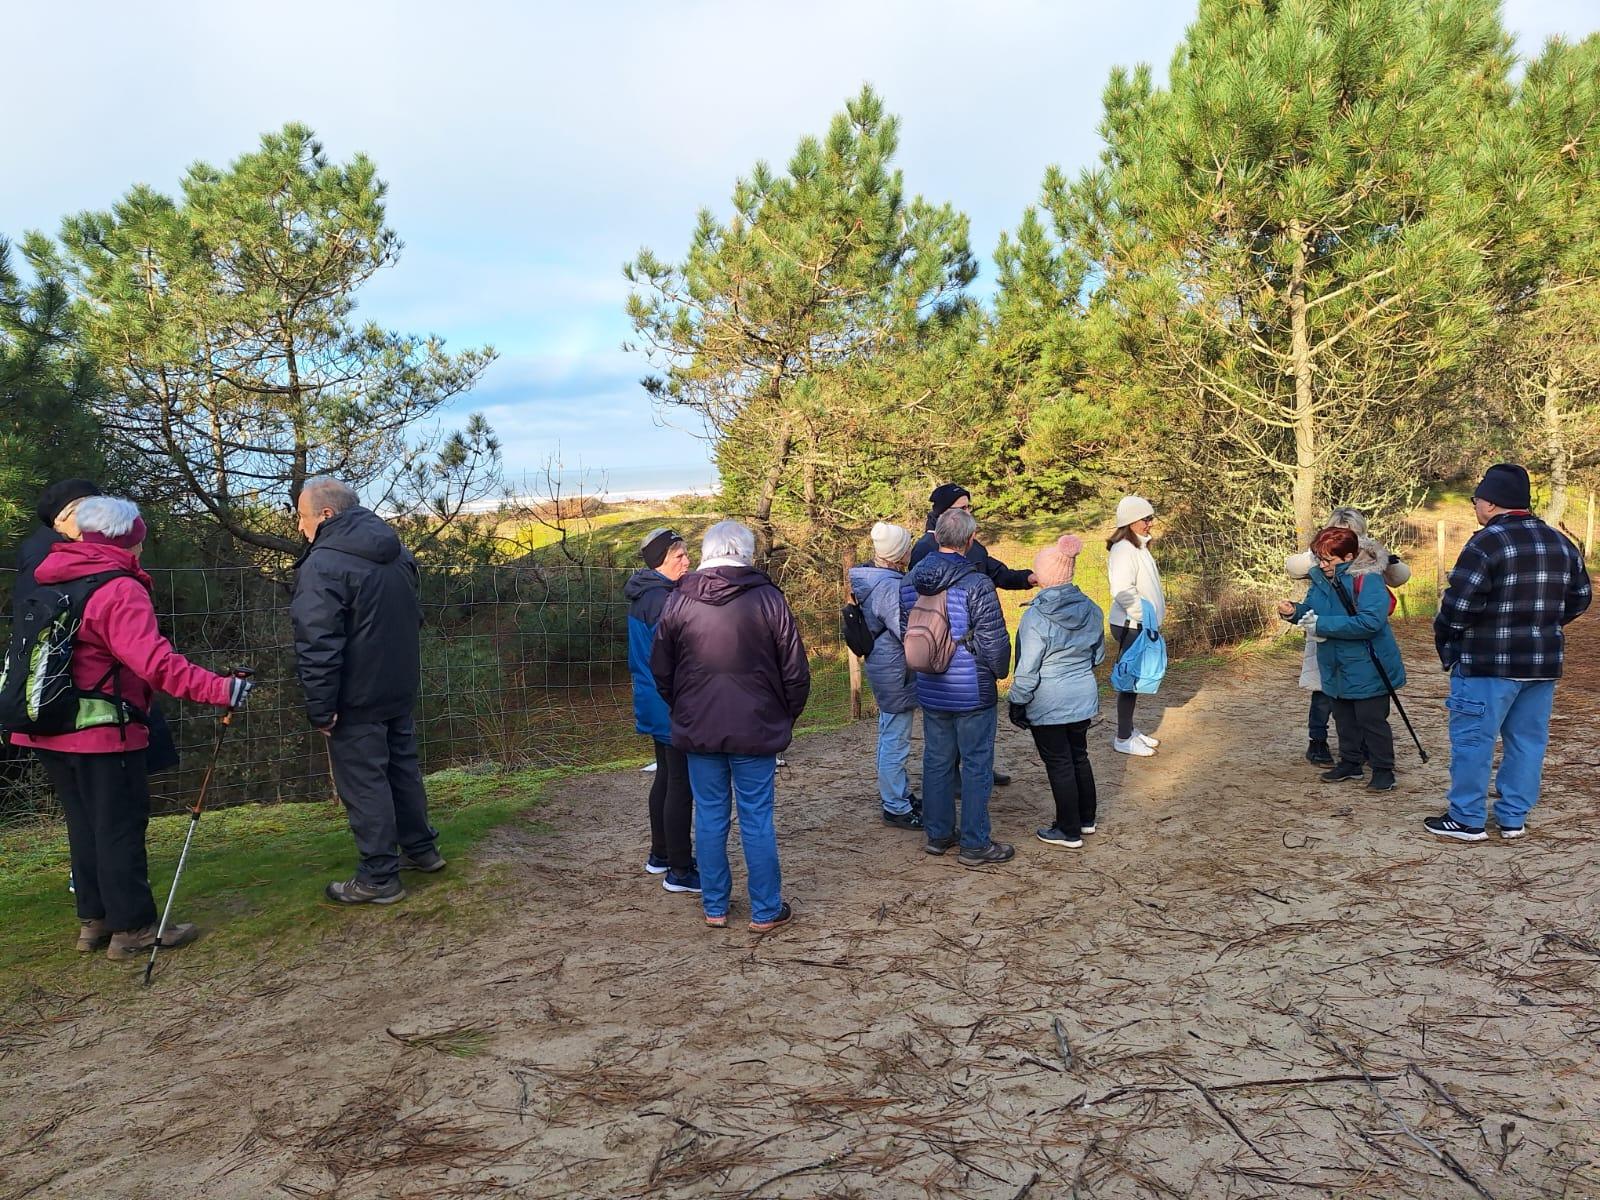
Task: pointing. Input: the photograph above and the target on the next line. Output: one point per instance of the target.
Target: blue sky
(531, 149)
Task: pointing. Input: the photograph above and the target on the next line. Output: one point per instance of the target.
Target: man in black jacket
(356, 613)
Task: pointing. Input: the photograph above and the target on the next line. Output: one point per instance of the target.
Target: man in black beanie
(55, 508)
(1499, 634)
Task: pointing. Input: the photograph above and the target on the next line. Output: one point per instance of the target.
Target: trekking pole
(1394, 696)
(194, 819)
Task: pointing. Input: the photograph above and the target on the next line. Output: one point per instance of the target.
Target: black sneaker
(990, 855)
(686, 881)
(940, 845)
(1001, 779)
(905, 820)
(1343, 773)
(1318, 754)
(1381, 781)
(1447, 827)
(355, 891)
(427, 863)
(1054, 837)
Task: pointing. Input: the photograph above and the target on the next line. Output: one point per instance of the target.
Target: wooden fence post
(1440, 573)
(1588, 532)
(848, 557)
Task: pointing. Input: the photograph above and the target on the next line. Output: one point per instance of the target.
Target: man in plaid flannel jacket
(1499, 634)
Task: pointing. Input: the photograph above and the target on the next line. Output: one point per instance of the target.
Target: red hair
(1335, 543)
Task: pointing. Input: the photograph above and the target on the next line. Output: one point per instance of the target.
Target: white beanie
(1133, 508)
(890, 542)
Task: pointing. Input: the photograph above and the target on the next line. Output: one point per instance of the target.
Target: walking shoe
(940, 845)
(1382, 781)
(657, 865)
(1512, 834)
(1132, 746)
(1140, 735)
(1342, 773)
(355, 891)
(785, 914)
(682, 881)
(905, 820)
(717, 922)
(92, 935)
(1001, 778)
(1448, 827)
(137, 943)
(1054, 837)
(427, 863)
(1088, 829)
(1318, 754)
(990, 855)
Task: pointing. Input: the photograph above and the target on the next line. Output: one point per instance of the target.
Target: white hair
(327, 492)
(955, 529)
(1352, 519)
(108, 515)
(728, 540)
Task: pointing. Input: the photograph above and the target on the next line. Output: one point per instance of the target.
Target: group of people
(357, 618)
(720, 677)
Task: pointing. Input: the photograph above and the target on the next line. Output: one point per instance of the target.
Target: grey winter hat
(655, 546)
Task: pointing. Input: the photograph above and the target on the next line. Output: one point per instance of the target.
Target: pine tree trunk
(1305, 427)
(769, 485)
(1556, 447)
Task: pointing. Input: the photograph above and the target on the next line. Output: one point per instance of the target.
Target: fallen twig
(1062, 1045)
(1229, 1121)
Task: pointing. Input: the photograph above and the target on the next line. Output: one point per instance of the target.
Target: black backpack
(853, 628)
(37, 695)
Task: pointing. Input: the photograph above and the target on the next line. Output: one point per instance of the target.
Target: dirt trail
(1225, 958)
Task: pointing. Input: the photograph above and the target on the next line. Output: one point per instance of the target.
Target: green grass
(253, 882)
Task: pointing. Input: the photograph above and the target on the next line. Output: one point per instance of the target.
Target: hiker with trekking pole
(84, 661)
(1346, 615)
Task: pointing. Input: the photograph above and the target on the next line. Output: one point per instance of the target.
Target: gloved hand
(239, 691)
(1019, 715)
(1309, 624)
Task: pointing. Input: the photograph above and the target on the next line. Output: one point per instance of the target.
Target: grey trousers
(379, 777)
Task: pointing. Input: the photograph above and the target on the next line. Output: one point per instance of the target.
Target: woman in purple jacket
(729, 662)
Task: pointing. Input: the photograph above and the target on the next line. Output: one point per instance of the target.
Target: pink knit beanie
(1054, 565)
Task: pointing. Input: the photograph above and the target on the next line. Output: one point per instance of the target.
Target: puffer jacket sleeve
(1122, 573)
(1372, 611)
(126, 619)
(991, 641)
(883, 609)
(1298, 566)
(320, 613)
(664, 650)
(793, 667)
(1030, 657)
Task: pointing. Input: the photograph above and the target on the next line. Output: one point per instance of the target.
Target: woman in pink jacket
(98, 770)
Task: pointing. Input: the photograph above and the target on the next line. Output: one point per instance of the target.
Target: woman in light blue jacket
(1060, 641)
(876, 588)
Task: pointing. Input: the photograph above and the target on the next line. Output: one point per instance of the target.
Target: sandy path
(1234, 925)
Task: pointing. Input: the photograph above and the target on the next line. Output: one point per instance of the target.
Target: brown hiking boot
(92, 935)
(136, 943)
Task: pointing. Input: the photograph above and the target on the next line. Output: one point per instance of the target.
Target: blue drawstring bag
(1144, 663)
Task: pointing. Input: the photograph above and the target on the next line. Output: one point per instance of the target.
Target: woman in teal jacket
(1355, 651)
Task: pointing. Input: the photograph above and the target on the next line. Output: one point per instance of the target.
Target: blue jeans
(950, 738)
(1482, 708)
(894, 748)
(750, 781)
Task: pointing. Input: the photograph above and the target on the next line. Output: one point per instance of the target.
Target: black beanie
(656, 544)
(942, 498)
(58, 495)
(1505, 485)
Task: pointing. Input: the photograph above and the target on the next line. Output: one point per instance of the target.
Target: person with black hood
(666, 561)
(949, 496)
(56, 508)
(357, 617)
(729, 662)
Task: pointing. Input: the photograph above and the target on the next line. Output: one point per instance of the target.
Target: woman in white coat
(1134, 578)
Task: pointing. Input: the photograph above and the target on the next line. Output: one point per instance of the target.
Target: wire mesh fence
(526, 664)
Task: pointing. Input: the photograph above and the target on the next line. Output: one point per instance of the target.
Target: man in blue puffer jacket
(671, 801)
(876, 590)
(958, 717)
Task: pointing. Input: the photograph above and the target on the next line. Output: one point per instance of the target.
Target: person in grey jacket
(357, 616)
(1060, 641)
(876, 589)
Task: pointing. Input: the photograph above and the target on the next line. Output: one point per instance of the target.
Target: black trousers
(1364, 724)
(1064, 750)
(106, 799)
(1125, 700)
(379, 777)
(671, 808)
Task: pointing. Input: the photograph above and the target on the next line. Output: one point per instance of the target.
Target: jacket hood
(361, 533)
(1371, 558)
(864, 579)
(1066, 605)
(719, 585)
(646, 579)
(75, 560)
(939, 572)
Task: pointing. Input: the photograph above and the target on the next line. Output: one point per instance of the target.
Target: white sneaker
(1508, 835)
(1140, 735)
(1087, 828)
(1132, 746)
